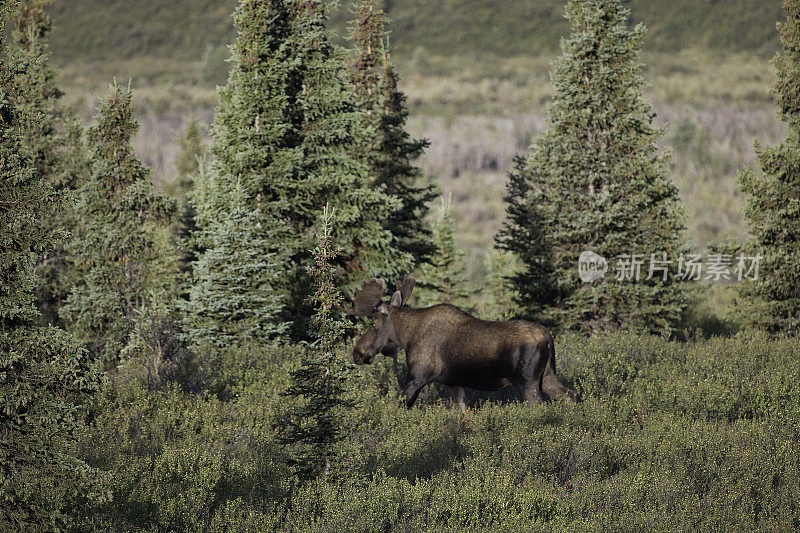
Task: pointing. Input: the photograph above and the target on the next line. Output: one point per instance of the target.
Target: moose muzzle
(362, 358)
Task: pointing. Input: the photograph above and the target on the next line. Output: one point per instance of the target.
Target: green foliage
(155, 344)
(595, 181)
(313, 428)
(25, 197)
(442, 279)
(188, 165)
(180, 461)
(118, 250)
(51, 130)
(53, 135)
(286, 129)
(45, 379)
(674, 436)
(186, 29)
(500, 301)
(773, 199)
(44, 375)
(237, 295)
(390, 152)
(700, 435)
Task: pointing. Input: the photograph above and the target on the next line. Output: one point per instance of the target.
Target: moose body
(446, 345)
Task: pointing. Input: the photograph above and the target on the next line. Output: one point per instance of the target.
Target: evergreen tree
(118, 249)
(389, 150)
(500, 303)
(188, 164)
(314, 426)
(44, 375)
(442, 279)
(773, 198)
(51, 130)
(594, 181)
(287, 128)
(188, 167)
(54, 136)
(237, 295)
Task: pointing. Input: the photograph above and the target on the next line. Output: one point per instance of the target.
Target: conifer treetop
(315, 426)
(24, 199)
(787, 64)
(51, 130)
(595, 180)
(117, 250)
(31, 23)
(367, 31)
(388, 148)
(110, 137)
(772, 300)
(598, 107)
(288, 129)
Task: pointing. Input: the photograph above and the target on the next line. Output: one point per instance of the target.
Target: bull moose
(446, 345)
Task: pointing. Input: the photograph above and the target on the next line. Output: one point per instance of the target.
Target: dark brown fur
(446, 345)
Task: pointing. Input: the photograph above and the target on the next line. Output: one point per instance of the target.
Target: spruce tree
(389, 150)
(237, 296)
(119, 249)
(50, 129)
(442, 279)
(773, 198)
(500, 302)
(287, 129)
(188, 164)
(53, 134)
(595, 181)
(314, 426)
(188, 167)
(44, 375)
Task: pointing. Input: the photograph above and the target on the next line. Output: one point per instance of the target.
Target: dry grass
(709, 148)
(479, 113)
(470, 155)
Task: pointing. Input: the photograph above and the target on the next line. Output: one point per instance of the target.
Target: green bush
(668, 436)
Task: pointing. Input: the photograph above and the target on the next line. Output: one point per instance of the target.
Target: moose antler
(405, 289)
(366, 298)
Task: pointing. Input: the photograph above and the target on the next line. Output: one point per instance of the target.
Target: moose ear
(397, 299)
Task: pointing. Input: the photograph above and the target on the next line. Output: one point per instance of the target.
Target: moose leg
(529, 373)
(396, 370)
(460, 397)
(413, 385)
(528, 390)
(553, 387)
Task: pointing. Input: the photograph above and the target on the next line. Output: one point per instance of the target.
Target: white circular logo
(591, 266)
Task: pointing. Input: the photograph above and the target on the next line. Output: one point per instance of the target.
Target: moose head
(380, 336)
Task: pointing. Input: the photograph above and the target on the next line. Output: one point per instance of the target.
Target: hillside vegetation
(101, 30)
